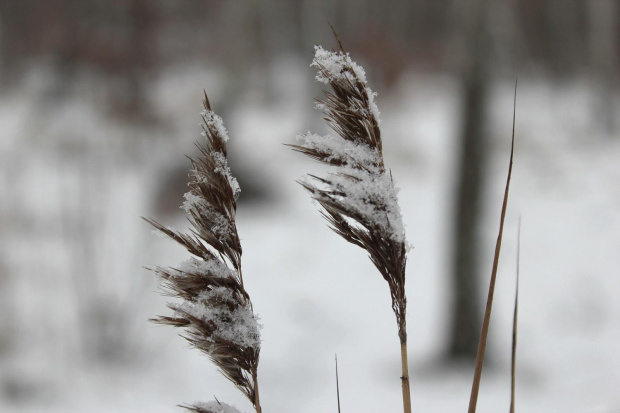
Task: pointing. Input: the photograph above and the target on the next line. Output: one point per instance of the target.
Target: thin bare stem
(513, 363)
(337, 384)
(405, 377)
(487, 314)
(256, 394)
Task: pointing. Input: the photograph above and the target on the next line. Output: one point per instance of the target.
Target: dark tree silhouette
(466, 319)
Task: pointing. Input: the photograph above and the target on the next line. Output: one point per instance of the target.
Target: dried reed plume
(216, 311)
(359, 200)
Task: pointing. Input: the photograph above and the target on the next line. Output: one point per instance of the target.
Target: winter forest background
(99, 103)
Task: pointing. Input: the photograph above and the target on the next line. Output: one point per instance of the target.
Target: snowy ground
(74, 185)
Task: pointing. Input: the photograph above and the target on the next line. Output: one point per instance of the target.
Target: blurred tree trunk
(473, 44)
(603, 42)
(566, 22)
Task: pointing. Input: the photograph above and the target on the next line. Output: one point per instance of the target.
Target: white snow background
(74, 184)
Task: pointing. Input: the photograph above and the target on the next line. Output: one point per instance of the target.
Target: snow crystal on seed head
(221, 167)
(336, 66)
(374, 110)
(373, 196)
(239, 326)
(213, 120)
(221, 164)
(351, 153)
(192, 201)
(212, 267)
(217, 407)
(221, 227)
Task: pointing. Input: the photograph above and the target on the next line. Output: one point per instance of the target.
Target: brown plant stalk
(515, 314)
(216, 311)
(482, 343)
(359, 199)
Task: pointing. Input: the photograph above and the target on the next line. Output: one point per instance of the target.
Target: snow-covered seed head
(214, 309)
(359, 198)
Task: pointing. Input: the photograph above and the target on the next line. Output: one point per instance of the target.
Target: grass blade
(487, 313)
(337, 384)
(514, 328)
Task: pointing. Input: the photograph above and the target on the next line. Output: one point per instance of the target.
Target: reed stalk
(482, 343)
(359, 199)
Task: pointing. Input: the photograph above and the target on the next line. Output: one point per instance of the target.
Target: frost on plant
(358, 197)
(221, 311)
(339, 68)
(214, 309)
(360, 182)
(212, 407)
